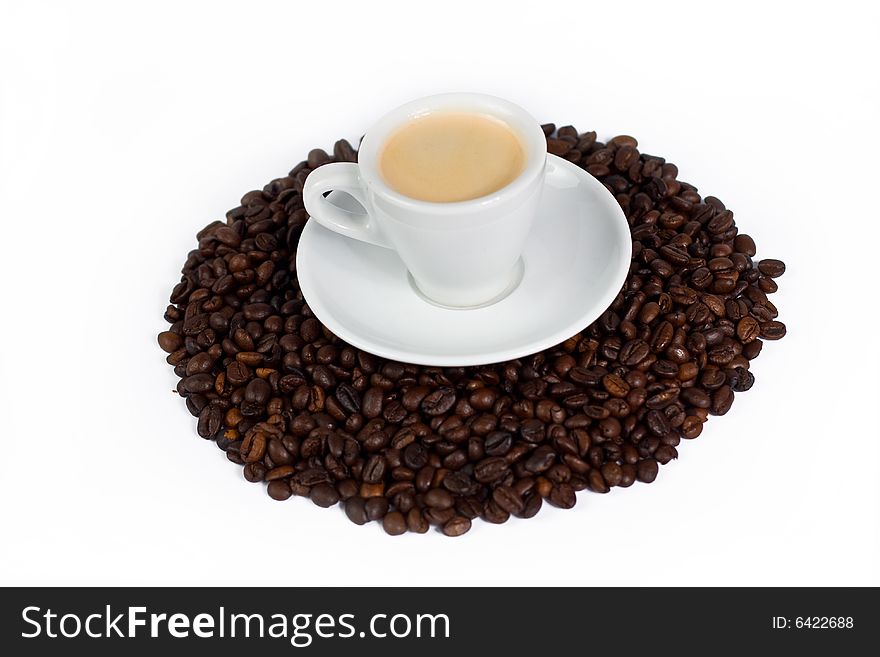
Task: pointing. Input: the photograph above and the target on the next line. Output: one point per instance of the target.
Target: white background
(125, 127)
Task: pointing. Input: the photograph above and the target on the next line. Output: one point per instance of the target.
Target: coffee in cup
(449, 157)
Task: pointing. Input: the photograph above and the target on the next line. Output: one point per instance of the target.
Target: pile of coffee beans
(412, 446)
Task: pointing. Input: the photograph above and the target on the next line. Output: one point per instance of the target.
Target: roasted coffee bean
(281, 472)
(506, 498)
(615, 385)
(349, 398)
(695, 397)
(257, 391)
(456, 526)
(647, 470)
(210, 421)
(347, 488)
(657, 423)
(541, 459)
(498, 443)
(439, 498)
(596, 482)
(664, 454)
(415, 456)
(394, 523)
(721, 400)
(438, 402)
(532, 431)
(562, 496)
(356, 511)
(198, 383)
(745, 244)
(416, 522)
(771, 268)
(459, 483)
(279, 490)
(483, 399)
(376, 508)
(170, 342)
(255, 472)
(253, 447)
(324, 495)
(772, 330)
(612, 473)
(437, 516)
(692, 427)
(374, 469)
(532, 503)
(663, 398)
(747, 329)
(490, 469)
(415, 445)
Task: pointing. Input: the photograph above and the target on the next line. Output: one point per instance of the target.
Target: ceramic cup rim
(521, 122)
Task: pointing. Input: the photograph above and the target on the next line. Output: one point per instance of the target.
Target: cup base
(518, 272)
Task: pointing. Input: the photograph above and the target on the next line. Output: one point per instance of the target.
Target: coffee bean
(324, 495)
(257, 311)
(498, 443)
(437, 516)
(771, 268)
(254, 472)
(459, 483)
(483, 399)
(374, 469)
(615, 385)
(772, 330)
(415, 456)
(281, 472)
(210, 421)
(612, 473)
(439, 498)
(647, 470)
(376, 508)
(198, 383)
(279, 490)
(490, 469)
(257, 391)
(506, 498)
(747, 330)
(541, 459)
(394, 523)
(416, 522)
(494, 514)
(253, 447)
(438, 402)
(664, 454)
(170, 342)
(695, 397)
(532, 503)
(691, 427)
(456, 526)
(721, 400)
(596, 482)
(356, 511)
(532, 431)
(349, 398)
(563, 496)
(745, 244)
(663, 398)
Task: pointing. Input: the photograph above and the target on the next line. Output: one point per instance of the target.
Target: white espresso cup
(459, 254)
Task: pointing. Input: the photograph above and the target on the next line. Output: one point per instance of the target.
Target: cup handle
(343, 177)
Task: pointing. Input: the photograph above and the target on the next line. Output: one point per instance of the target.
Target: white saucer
(576, 260)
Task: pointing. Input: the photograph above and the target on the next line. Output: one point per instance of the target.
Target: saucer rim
(622, 232)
